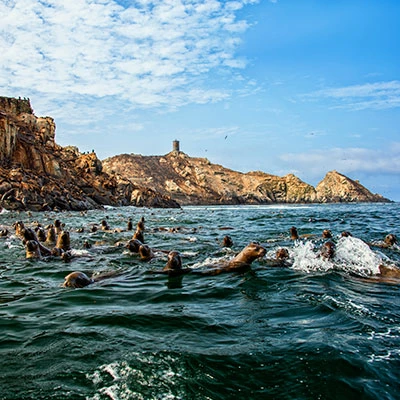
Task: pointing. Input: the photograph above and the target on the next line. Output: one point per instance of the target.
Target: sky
(279, 86)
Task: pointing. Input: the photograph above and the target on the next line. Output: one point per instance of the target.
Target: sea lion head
(32, 249)
(104, 225)
(51, 235)
(63, 241)
(326, 234)
(250, 253)
(145, 252)
(328, 250)
(293, 233)
(133, 245)
(174, 261)
(130, 224)
(227, 241)
(28, 234)
(18, 226)
(41, 234)
(390, 239)
(282, 254)
(345, 234)
(139, 235)
(77, 279)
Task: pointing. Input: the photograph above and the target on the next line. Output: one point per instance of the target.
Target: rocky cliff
(38, 174)
(190, 181)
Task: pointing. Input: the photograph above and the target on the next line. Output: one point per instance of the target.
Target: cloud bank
(376, 96)
(347, 160)
(149, 52)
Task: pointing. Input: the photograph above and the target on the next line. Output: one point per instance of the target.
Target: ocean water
(314, 330)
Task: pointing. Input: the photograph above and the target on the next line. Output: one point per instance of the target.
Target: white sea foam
(352, 255)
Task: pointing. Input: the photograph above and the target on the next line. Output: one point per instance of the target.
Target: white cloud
(346, 160)
(150, 53)
(378, 96)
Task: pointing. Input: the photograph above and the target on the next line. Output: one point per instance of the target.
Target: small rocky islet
(37, 174)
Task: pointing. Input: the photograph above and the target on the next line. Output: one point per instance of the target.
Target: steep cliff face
(338, 188)
(38, 174)
(191, 180)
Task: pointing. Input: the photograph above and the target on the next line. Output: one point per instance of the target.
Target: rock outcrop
(195, 181)
(338, 188)
(38, 174)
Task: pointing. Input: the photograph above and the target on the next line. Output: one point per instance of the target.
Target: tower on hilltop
(175, 145)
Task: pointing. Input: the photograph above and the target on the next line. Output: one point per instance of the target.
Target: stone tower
(175, 145)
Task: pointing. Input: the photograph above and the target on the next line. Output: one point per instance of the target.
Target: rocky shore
(38, 174)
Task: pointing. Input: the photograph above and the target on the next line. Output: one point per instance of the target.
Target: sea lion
(58, 226)
(104, 225)
(345, 234)
(241, 263)
(133, 245)
(63, 241)
(390, 240)
(327, 234)
(32, 250)
(293, 233)
(227, 241)
(41, 234)
(4, 232)
(145, 252)
(130, 224)
(19, 226)
(389, 271)
(282, 254)
(77, 279)
(51, 235)
(29, 234)
(328, 250)
(138, 235)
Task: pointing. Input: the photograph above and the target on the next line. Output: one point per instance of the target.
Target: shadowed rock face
(190, 180)
(37, 174)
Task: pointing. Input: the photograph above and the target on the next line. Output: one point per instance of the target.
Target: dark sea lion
(345, 234)
(133, 245)
(41, 234)
(145, 252)
(282, 254)
(328, 250)
(19, 226)
(104, 225)
(138, 235)
(87, 245)
(77, 279)
(32, 250)
(390, 240)
(51, 236)
(63, 241)
(4, 232)
(29, 234)
(93, 228)
(58, 226)
(130, 224)
(293, 233)
(327, 234)
(227, 241)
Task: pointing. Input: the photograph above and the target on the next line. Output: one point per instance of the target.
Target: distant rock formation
(37, 174)
(196, 181)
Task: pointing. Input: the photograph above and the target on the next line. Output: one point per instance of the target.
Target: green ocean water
(315, 330)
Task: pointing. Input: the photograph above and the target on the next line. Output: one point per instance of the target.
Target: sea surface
(314, 330)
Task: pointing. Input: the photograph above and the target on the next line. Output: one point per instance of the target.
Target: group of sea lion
(55, 241)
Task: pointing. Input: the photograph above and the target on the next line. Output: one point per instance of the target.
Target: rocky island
(196, 181)
(38, 174)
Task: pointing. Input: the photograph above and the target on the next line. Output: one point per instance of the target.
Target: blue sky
(281, 86)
